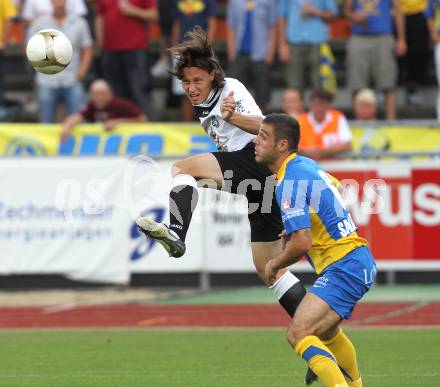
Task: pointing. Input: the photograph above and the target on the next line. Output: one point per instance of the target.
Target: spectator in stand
(64, 87)
(303, 27)
(413, 66)
(372, 50)
(186, 15)
(293, 102)
(434, 31)
(189, 13)
(32, 9)
(365, 105)
(103, 107)
(165, 9)
(7, 13)
(251, 38)
(325, 132)
(122, 34)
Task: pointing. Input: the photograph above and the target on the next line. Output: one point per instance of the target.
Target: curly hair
(196, 51)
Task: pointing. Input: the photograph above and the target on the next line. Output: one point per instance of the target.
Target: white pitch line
(58, 308)
(392, 314)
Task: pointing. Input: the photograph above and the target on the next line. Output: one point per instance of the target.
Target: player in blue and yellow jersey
(318, 225)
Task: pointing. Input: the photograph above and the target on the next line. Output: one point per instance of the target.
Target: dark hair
(322, 94)
(284, 127)
(196, 51)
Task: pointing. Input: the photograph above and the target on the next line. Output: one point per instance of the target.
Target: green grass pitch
(203, 358)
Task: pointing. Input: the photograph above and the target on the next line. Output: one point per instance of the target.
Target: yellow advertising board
(175, 140)
(156, 139)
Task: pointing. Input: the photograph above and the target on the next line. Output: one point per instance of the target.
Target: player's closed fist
(227, 107)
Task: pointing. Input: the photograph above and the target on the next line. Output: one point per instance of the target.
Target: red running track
(247, 316)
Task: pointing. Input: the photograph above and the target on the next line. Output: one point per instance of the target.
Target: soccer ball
(49, 51)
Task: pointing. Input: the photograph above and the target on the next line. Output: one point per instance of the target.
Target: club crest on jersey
(214, 122)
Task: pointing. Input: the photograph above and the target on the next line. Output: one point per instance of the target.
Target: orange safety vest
(327, 137)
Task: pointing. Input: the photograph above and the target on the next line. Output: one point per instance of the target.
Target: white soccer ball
(49, 51)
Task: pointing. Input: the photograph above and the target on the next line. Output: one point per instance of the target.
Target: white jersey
(227, 137)
(32, 9)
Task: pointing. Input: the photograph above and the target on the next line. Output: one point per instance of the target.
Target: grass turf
(208, 358)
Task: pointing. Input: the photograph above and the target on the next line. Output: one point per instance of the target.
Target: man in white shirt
(33, 9)
(64, 87)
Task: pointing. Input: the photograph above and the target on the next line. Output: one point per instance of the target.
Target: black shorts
(257, 182)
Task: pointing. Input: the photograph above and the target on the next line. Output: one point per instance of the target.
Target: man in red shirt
(103, 107)
(122, 35)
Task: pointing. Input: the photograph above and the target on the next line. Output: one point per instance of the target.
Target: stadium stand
(18, 77)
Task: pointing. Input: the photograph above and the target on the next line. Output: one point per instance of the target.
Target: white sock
(183, 180)
(283, 284)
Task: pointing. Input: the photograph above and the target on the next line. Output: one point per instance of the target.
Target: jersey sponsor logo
(293, 214)
(346, 226)
(321, 282)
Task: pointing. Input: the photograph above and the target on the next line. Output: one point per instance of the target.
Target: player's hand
(284, 53)
(227, 107)
(270, 272)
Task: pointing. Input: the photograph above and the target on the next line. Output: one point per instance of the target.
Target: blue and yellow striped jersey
(308, 198)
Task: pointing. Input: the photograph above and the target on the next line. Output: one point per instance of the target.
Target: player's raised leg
(183, 201)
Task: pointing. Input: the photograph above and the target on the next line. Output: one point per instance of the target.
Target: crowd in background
(389, 41)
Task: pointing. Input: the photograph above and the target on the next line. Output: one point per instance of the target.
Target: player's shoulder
(232, 84)
(302, 168)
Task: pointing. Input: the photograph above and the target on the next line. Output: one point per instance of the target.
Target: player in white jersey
(227, 136)
(229, 114)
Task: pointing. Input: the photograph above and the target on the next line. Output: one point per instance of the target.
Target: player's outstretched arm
(248, 123)
(297, 246)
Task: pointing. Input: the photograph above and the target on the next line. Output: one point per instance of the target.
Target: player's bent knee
(261, 274)
(180, 167)
(297, 331)
(293, 337)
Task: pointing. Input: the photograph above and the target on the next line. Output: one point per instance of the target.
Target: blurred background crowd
(370, 59)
